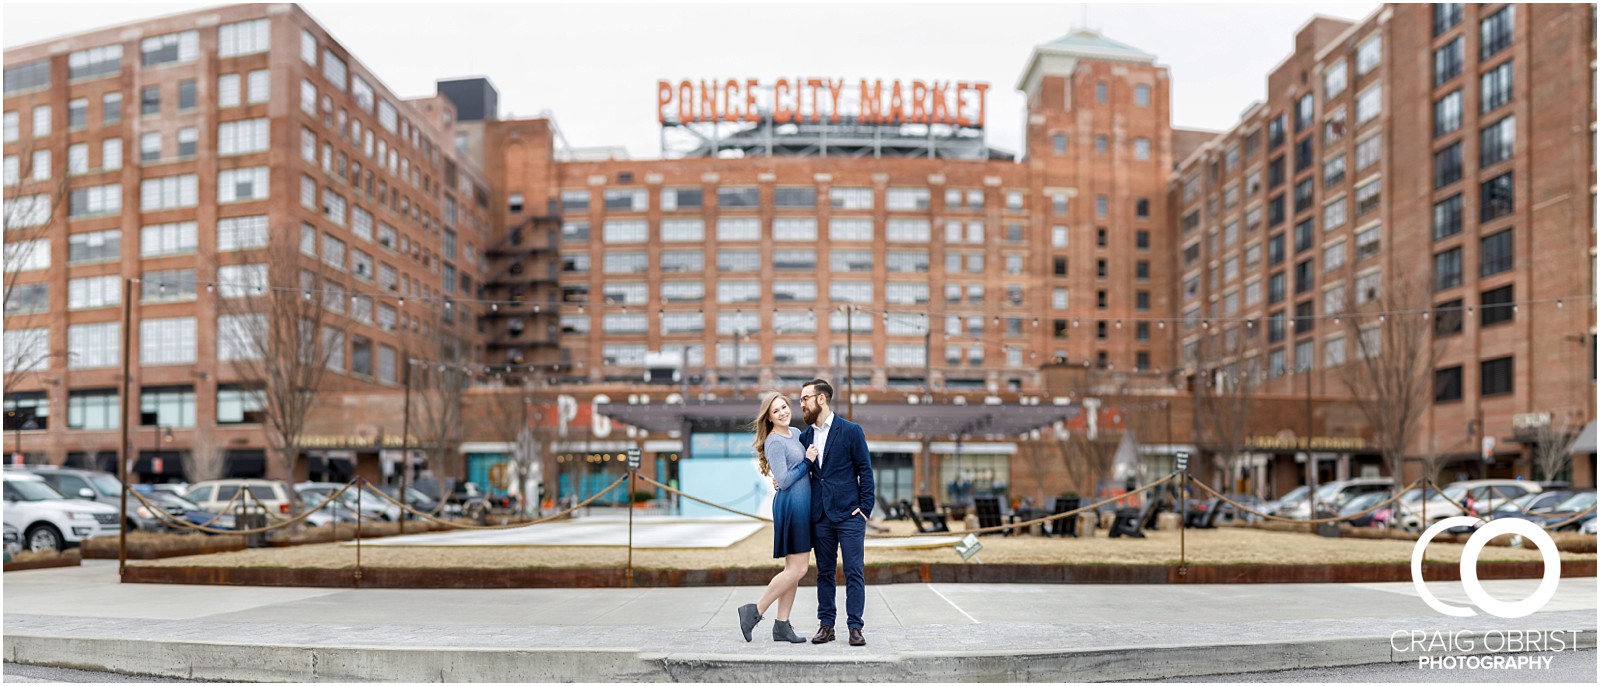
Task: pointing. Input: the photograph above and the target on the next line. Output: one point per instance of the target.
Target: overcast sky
(595, 66)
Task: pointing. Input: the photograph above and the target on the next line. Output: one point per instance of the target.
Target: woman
(778, 450)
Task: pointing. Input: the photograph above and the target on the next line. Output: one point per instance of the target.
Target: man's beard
(811, 414)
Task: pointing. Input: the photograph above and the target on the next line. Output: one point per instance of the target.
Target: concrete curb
(286, 663)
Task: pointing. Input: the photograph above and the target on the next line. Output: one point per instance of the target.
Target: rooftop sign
(801, 100)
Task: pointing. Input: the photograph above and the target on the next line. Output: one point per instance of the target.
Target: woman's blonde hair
(763, 427)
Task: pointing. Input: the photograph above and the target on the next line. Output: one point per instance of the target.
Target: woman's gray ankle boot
(783, 631)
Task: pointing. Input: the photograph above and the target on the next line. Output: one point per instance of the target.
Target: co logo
(1469, 567)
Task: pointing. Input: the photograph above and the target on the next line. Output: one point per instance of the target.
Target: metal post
(358, 529)
(405, 441)
(1183, 523)
(927, 361)
(125, 446)
(1311, 460)
(631, 473)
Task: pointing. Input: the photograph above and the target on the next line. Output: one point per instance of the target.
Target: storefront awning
(1584, 443)
(997, 422)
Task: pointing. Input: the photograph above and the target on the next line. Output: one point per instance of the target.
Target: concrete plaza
(83, 618)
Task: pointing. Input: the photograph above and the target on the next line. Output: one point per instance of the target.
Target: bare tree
(32, 208)
(278, 334)
(1224, 392)
(439, 381)
(1087, 460)
(1390, 370)
(1038, 457)
(1550, 439)
(203, 461)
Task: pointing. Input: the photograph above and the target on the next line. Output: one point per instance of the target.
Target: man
(842, 495)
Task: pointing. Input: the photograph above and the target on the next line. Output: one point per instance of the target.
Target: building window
(1058, 143)
(1369, 104)
(1367, 196)
(1447, 384)
(1447, 269)
(94, 410)
(1447, 61)
(1497, 198)
(1276, 130)
(908, 230)
(1447, 217)
(1494, 32)
(1498, 376)
(1447, 318)
(1305, 112)
(168, 239)
(1367, 243)
(250, 183)
(850, 198)
(1305, 275)
(1445, 16)
(1141, 148)
(170, 49)
(165, 193)
(1368, 54)
(625, 231)
(93, 346)
(1333, 256)
(1369, 151)
(1305, 235)
(1100, 92)
(1495, 253)
(172, 406)
(907, 199)
(241, 137)
(1447, 114)
(31, 298)
(1497, 306)
(1494, 87)
(243, 38)
(1447, 166)
(739, 229)
(803, 197)
(111, 108)
(1497, 142)
(1334, 79)
(1141, 95)
(167, 341)
(241, 404)
(794, 229)
(186, 95)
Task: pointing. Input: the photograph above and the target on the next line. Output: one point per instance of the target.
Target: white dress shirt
(819, 436)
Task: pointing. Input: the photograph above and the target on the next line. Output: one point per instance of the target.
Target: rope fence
(242, 498)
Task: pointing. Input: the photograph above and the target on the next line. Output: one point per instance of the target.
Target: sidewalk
(82, 618)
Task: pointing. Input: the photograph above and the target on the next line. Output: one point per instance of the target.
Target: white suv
(1483, 494)
(49, 520)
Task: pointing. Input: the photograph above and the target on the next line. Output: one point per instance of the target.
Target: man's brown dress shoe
(824, 634)
(856, 639)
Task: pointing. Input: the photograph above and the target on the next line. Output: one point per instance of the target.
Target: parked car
(1465, 497)
(1384, 518)
(177, 489)
(280, 500)
(337, 513)
(460, 497)
(86, 484)
(13, 544)
(183, 508)
(1360, 504)
(49, 520)
(372, 507)
(1288, 501)
(416, 499)
(1332, 496)
(1560, 513)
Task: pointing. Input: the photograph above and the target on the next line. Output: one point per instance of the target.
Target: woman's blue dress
(791, 507)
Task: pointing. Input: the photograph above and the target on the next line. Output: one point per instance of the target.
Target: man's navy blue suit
(840, 485)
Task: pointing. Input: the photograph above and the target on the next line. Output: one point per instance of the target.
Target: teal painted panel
(731, 482)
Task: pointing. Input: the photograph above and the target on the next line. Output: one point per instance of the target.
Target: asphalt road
(1575, 667)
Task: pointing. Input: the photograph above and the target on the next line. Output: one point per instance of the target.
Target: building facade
(188, 164)
(905, 262)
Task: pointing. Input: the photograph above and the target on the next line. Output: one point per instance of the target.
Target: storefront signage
(1324, 443)
(800, 100)
(353, 442)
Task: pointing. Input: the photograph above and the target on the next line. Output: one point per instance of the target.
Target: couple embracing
(823, 475)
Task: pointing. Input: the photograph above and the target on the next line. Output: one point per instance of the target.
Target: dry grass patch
(1213, 546)
(147, 545)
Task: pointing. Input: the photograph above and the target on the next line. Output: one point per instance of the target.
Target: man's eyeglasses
(804, 398)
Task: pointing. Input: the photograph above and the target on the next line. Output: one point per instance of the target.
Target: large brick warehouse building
(1118, 268)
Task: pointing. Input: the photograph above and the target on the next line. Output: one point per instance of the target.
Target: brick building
(166, 156)
(1429, 157)
(906, 264)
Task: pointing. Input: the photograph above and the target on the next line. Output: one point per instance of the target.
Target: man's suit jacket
(843, 482)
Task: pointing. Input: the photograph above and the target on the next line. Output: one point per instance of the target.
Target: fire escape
(524, 323)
